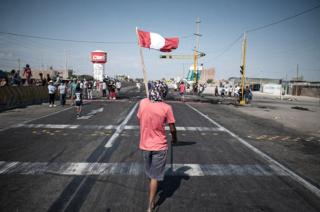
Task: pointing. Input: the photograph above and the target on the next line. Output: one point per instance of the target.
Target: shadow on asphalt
(170, 184)
(184, 143)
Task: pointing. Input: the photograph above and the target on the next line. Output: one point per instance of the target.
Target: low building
(204, 74)
(207, 74)
(303, 88)
(256, 84)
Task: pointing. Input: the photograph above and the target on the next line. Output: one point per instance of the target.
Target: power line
(186, 36)
(227, 48)
(265, 26)
(76, 41)
(284, 19)
(67, 40)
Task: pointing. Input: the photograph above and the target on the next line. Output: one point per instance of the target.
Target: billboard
(191, 74)
(99, 56)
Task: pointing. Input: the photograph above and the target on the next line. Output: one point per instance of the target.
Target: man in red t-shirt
(27, 72)
(153, 114)
(182, 90)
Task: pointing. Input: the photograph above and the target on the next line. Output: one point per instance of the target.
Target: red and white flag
(153, 40)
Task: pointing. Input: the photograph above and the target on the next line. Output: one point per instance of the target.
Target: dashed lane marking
(25, 122)
(91, 114)
(285, 138)
(261, 137)
(82, 169)
(109, 127)
(272, 161)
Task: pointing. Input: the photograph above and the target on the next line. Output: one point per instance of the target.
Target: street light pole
(195, 57)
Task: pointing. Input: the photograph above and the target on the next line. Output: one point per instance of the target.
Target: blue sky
(273, 52)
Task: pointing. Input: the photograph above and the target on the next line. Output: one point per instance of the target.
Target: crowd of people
(14, 78)
(235, 92)
(89, 89)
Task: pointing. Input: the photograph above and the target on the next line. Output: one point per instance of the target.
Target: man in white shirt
(104, 89)
(51, 91)
(62, 90)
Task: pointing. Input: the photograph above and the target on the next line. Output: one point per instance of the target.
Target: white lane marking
(68, 126)
(108, 127)
(25, 122)
(8, 166)
(131, 127)
(84, 169)
(92, 113)
(120, 127)
(187, 170)
(272, 161)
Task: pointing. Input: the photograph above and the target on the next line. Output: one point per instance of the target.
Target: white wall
(271, 89)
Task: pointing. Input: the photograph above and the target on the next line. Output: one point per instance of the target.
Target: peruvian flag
(153, 40)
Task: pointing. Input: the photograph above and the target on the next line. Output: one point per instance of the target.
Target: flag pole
(145, 77)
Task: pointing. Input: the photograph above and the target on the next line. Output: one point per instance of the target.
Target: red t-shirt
(182, 88)
(153, 117)
(27, 72)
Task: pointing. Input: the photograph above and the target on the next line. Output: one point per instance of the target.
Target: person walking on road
(153, 114)
(52, 91)
(62, 90)
(182, 90)
(78, 100)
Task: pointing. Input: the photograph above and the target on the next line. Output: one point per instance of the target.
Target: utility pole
(243, 68)
(182, 77)
(19, 64)
(66, 68)
(297, 79)
(195, 55)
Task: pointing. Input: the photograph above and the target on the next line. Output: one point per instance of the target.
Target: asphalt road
(61, 163)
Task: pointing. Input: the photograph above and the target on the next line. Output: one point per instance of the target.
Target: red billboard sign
(98, 57)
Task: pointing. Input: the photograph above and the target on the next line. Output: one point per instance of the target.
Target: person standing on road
(182, 90)
(62, 90)
(78, 100)
(52, 91)
(85, 89)
(104, 89)
(28, 73)
(118, 86)
(89, 90)
(112, 89)
(248, 94)
(153, 114)
(73, 90)
(216, 91)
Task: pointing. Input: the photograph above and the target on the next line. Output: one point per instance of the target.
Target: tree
(209, 81)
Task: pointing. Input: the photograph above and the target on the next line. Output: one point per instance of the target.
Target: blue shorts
(155, 163)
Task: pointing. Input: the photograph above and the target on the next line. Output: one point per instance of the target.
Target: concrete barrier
(19, 96)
